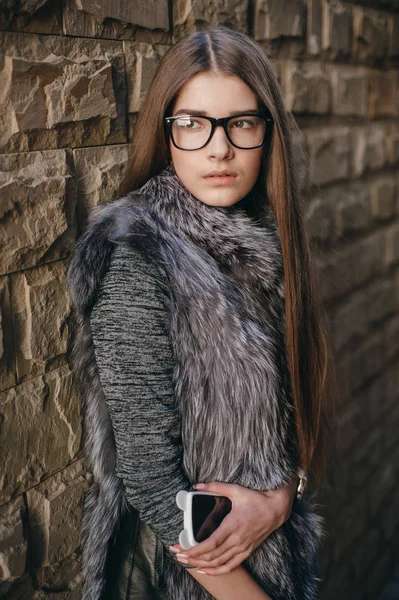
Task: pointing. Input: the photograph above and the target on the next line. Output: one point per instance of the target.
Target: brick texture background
(72, 78)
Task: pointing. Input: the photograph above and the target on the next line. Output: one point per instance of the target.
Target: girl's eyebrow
(198, 113)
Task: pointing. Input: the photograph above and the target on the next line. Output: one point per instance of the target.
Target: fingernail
(173, 549)
(201, 571)
(181, 555)
(199, 486)
(182, 560)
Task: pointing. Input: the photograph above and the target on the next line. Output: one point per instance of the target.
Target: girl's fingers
(227, 567)
(231, 543)
(176, 548)
(220, 551)
(203, 562)
(217, 487)
(212, 559)
(214, 541)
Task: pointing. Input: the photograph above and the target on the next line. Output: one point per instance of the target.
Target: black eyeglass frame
(216, 122)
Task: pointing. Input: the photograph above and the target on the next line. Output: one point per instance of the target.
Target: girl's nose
(219, 146)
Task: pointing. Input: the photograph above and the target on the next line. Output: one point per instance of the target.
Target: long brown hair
(232, 53)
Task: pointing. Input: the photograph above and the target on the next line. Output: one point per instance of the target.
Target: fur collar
(229, 234)
(237, 241)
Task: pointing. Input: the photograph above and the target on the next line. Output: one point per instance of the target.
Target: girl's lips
(221, 180)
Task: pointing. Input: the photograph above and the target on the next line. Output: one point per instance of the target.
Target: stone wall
(73, 76)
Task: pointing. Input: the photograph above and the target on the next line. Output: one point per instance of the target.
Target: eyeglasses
(245, 131)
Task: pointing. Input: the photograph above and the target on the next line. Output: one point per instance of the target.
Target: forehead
(216, 95)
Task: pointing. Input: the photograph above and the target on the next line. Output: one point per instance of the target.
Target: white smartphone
(203, 513)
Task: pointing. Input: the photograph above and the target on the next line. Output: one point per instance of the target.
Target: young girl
(199, 348)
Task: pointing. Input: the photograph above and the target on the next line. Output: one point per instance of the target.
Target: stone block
(391, 430)
(132, 124)
(63, 580)
(370, 32)
(383, 93)
(99, 172)
(376, 399)
(383, 198)
(349, 525)
(344, 384)
(38, 16)
(306, 87)
(37, 210)
(367, 456)
(392, 143)
(142, 61)
(60, 91)
(320, 218)
(314, 21)
(7, 351)
(336, 28)
(279, 18)
(334, 276)
(350, 91)
(393, 32)
(364, 558)
(370, 148)
(352, 213)
(392, 245)
(367, 258)
(339, 210)
(275, 63)
(76, 594)
(191, 15)
(325, 558)
(381, 496)
(350, 320)
(364, 258)
(377, 577)
(330, 152)
(15, 7)
(13, 545)
(55, 513)
(349, 432)
(381, 300)
(368, 359)
(20, 589)
(41, 312)
(391, 340)
(113, 18)
(40, 428)
(153, 36)
(340, 583)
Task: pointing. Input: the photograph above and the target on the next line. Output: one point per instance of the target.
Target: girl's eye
(187, 123)
(242, 124)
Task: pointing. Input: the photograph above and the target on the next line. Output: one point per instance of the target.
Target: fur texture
(232, 383)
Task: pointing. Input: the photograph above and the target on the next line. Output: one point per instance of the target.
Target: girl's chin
(220, 200)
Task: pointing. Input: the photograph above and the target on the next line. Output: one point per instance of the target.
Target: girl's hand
(253, 517)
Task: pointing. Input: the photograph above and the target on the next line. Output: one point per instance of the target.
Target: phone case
(184, 501)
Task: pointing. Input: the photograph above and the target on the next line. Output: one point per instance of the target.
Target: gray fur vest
(232, 383)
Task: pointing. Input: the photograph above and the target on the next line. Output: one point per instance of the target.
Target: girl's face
(216, 95)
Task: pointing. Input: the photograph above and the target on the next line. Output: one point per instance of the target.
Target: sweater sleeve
(135, 363)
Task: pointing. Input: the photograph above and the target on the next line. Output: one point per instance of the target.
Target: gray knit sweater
(135, 363)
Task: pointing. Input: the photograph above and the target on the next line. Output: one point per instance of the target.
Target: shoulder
(109, 241)
(131, 271)
(132, 297)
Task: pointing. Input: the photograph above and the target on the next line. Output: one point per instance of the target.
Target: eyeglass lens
(191, 133)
